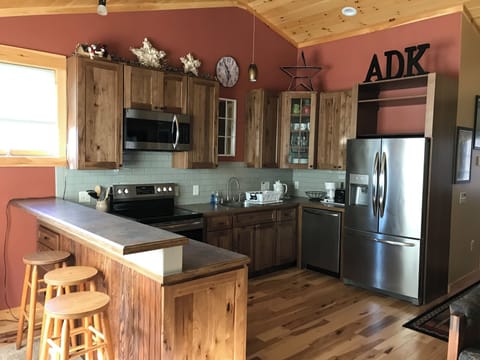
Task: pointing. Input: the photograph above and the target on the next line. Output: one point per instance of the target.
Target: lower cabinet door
(221, 238)
(264, 246)
(243, 243)
(286, 247)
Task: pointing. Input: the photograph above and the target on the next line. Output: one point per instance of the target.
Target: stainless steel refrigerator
(385, 215)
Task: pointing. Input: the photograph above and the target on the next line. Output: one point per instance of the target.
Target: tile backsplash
(150, 167)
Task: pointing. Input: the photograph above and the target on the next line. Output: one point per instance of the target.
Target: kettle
(280, 187)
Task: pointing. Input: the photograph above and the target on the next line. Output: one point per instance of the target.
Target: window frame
(57, 63)
(234, 130)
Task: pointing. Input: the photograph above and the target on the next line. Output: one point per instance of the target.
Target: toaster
(339, 196)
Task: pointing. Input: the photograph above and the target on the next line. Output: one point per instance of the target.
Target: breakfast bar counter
(193, 306)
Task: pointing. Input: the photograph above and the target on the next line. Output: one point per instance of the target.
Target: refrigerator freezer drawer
(387, 263)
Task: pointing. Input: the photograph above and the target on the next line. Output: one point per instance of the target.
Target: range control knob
(170, 189)
(119, 191)
(125, 191)
(164, 188)
(159, 189)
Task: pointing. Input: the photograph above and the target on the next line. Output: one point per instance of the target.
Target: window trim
(58, 63)
(234, 136)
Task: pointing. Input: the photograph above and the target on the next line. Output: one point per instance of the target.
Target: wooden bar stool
(60, 281)
(84, 306)
(31, 287)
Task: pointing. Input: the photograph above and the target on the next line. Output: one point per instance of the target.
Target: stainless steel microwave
(155, 131)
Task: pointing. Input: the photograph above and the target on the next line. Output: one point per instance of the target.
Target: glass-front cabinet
(297, 129)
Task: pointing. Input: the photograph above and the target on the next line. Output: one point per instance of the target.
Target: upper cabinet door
(175, 87)
(297, 129)
(335, 125)
(260, 149)
(95, 112)
(143, 88)
(202, 106)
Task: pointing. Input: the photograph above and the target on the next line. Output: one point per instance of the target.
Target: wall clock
(227, 71)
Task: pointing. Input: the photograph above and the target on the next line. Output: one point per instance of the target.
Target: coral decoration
(190, 64)
(149, 56)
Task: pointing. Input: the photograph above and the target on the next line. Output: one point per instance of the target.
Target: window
(227, 119)
(32, 107)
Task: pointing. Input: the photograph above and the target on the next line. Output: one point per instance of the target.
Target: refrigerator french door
(385, 213)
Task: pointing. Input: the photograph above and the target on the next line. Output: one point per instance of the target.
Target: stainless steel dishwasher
(321, 240)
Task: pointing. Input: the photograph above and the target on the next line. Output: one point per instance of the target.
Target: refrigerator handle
(374, 185)
(382, 182)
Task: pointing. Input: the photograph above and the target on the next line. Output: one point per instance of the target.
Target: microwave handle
(177, 134)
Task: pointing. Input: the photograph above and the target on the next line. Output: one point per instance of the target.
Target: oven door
(191, 228)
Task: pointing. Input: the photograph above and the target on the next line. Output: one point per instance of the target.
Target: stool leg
(65, 340)
(48, 296)
(21, 313)
(31, 311)
(88, 338)
(107, 335)
(47, 329)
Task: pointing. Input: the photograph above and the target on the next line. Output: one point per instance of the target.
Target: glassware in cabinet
(297, 129)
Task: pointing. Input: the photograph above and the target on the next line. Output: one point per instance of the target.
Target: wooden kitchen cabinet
(297, 129)
(286, 245)
(264, 241)
(95, 113)
(143, 88)
(219, 231)
(243, 243)
(202, 106)
(335, 125)
(261, 129)
(152, 89)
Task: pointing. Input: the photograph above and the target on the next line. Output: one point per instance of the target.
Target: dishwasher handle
(321, 212)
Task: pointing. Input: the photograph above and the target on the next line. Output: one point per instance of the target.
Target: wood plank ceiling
(301, 22)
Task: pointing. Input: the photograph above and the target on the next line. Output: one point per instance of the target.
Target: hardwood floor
(301, 314)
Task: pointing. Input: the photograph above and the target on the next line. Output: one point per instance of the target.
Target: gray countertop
(215, 210)
(119, 235)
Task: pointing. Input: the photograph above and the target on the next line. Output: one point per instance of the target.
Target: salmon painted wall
(346, 62)
(19, 183)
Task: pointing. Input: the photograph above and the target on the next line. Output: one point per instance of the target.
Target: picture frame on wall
(463, 154)
(476, 135)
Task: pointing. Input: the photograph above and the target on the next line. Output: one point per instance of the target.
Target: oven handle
(182, 226)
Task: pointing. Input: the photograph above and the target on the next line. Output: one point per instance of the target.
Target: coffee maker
(330, 188)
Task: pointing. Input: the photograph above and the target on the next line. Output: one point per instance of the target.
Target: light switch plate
(196, 190)
(296, 185)
(462, 199)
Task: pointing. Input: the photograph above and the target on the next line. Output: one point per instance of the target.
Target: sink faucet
(232, 180)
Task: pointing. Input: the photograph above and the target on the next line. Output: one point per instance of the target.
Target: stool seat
(75, 312)
(70, 275)
(46, 257)
(77, 305)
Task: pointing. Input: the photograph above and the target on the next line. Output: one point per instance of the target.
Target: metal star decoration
(149, 56)
(190, 64)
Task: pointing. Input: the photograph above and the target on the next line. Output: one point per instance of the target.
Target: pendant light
(252, 69)
(102, 8)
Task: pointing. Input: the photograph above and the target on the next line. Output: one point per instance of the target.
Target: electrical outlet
(462, 199)
(83, 197)
(472, 244)
(196, 190)
(265, 185)
(296, 185)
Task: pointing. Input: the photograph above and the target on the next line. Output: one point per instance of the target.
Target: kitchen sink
(234, 204)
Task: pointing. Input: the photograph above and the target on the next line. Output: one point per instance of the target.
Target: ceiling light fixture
(252, 69)
(102, 8)
(349, 11)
